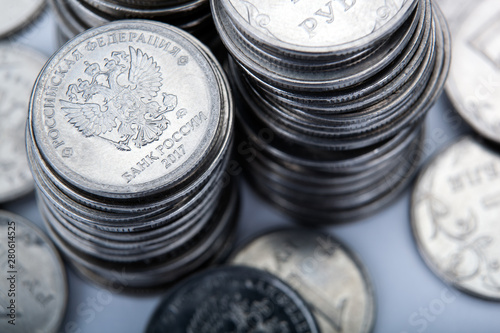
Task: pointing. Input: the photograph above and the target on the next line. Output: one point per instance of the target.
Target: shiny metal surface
(330, 278)
(454, 217)
(229, 299)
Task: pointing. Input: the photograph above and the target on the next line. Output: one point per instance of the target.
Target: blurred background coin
(33, 287)
(454, 216)
(324, 272)
(19, 67)
(232, 299)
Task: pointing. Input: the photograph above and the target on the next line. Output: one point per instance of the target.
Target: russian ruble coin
(18, 14)
(19, 67)
(229, 299)
(146, 105)
(454, 216)
(305, 28)
(76, 16)
(474, 81)
(33, 285)
(133, 109)
(324, 272)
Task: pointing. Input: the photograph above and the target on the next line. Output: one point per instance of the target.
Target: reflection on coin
(232, 299)
(474, 81)
(18, 14)
(33, 290)
(19, 67)
(455, 209)
(316, 26)
(111, 118)
(328, 276)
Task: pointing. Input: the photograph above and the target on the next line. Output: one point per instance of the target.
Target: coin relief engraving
(454, 217)
(134, 96)
(321, 270)
(236, 311)
(120, 96)
(318, 23)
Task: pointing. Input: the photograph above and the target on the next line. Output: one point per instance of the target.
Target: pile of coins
(128, 145)
(343, 89)
(76, 16)
(287, 280)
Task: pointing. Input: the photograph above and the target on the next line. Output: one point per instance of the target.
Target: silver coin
(33, 287)
(331, 278)
(116, 92)
(454, 217)
(473, 84)
(231, 299)
(17, 14)
(19, 67)
(317, 27)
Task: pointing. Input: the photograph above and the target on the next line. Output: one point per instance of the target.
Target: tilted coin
(17, 14)
(33, 287)
(232, 299)
(454, 217)
(474, 82)
(127, 109)
(19, 67)
(329, 277)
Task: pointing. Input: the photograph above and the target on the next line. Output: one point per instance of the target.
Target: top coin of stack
(76, 16)
(285, 43)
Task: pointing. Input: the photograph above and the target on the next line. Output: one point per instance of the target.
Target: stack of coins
(341, 89)
(128, 143)
(76, 16)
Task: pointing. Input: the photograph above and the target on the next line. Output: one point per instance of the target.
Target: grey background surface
(410, 298)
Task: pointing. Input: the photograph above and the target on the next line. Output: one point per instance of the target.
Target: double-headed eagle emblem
(121, 96)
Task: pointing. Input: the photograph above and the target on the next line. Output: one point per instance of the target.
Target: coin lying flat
(454, 216)
(19, 67)
(474, 82)
(329, 277)
(33, 289)
(232, 299)
(18, 14)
